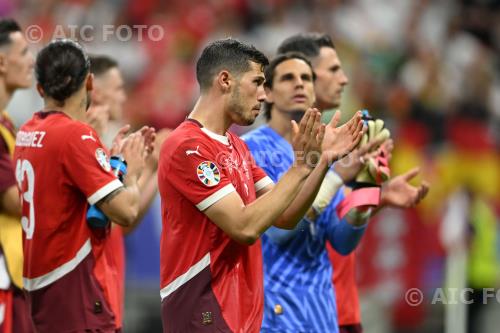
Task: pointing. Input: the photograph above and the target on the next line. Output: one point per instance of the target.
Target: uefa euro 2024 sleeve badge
(102, 159)
(208, 173)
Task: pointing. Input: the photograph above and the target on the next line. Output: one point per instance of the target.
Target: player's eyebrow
(334, 68)
(286, 77)
(259, 79)
(307, 77)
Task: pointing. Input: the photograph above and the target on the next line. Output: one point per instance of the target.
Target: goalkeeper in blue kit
(299, 295)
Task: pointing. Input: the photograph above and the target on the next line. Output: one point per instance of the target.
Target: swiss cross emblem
(206, 318)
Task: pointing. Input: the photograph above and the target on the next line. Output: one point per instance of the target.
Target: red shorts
(6, 311)
(74, 303)
(14, 312)
(21, 315)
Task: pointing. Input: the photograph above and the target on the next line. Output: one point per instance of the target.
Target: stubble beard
(236, 108)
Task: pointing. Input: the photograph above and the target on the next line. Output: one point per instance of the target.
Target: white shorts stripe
(263, 183)
(59, 272)
(184, 278)
(213, 198)
(104, 191)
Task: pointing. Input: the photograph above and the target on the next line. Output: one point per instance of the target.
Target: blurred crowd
(430, 69)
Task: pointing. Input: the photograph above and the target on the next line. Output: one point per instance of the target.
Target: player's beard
(243, 118)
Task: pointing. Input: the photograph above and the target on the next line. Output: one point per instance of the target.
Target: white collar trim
(221, 138)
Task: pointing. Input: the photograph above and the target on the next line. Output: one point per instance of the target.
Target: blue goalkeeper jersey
(299, 294)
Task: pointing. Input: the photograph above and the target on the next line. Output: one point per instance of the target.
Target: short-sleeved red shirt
(346, 290)
(61, 168)
(206, 277)
(7, 178)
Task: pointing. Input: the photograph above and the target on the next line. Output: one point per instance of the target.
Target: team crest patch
(208, 173)
(102, 159)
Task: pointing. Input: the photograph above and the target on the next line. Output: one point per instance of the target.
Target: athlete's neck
(281, 122)
(74, 106)
(5, 95)
(324, 106)
(210, 112)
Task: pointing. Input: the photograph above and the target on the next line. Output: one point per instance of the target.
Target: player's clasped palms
(341, 140)
(133, 152)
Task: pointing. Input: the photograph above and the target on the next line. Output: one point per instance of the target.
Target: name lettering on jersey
(88, 137)
(30, 139)
(189, 152)
(102, 159)
(208, 173)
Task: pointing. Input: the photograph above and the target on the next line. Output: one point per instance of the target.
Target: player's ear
(269, 95)
(40, 90)
(224, 80)
(89, 83)
(3, 63)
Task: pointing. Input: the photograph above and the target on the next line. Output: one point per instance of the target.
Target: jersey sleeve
(260, 177)
(194, 170)
(86, 161)
(257, 158)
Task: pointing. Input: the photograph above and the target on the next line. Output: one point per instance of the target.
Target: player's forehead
(112, 75)
(327, 58)
(292, 66)
(18, 42)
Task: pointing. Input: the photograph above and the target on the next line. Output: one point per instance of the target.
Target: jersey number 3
(24, 169)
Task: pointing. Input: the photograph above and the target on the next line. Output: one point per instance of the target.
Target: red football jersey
(346, 290)
(206, 277)
(61, 167)
(114, 250)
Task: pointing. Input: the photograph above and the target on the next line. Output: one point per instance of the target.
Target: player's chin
(330, 104)
(26, 83)
(246, 121)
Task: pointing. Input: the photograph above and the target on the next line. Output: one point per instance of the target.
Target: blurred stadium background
(431, 69)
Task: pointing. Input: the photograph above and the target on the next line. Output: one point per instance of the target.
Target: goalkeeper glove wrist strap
(368, 196)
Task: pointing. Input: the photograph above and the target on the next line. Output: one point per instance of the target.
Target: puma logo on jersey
(189, 152)
(85, 137)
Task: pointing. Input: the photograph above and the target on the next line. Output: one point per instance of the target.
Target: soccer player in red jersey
(216, 202)
(16, 72)
(61, 168)
(108, 98)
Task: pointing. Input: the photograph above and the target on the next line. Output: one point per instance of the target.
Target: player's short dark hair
(7, 26)
(229, 54)
(270, 72)
(101, 64)
(308, 44)
(61, 67)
